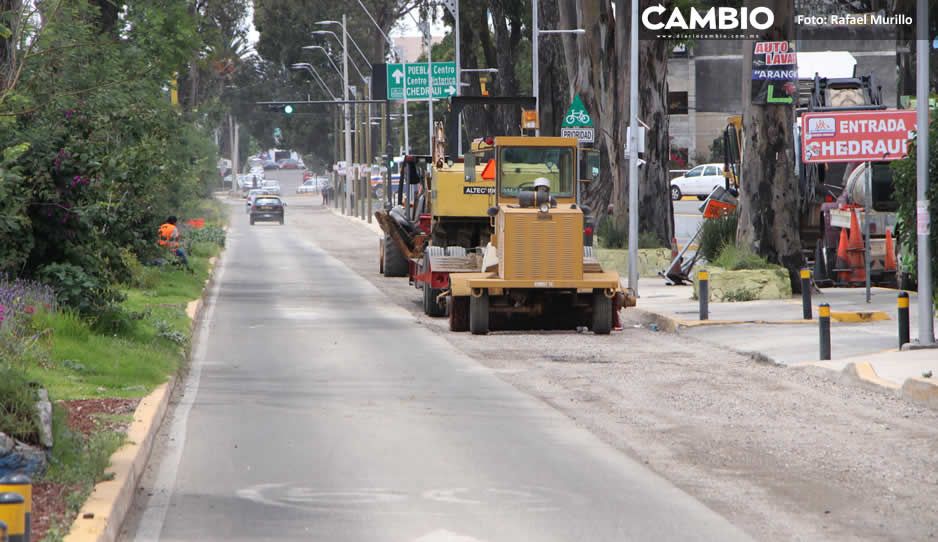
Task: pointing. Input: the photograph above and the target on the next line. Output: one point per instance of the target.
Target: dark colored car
(270, 164)
(267, 208)
(289, 164)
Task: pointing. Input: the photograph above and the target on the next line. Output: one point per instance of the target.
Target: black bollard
(903, 310)
(824, 325)
(703, 293)
(806, 294)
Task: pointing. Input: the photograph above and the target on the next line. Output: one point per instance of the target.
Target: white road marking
(442, 535)
(151, 523)
(448, 496)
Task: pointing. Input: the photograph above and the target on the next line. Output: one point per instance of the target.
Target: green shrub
(76, 289)
(18, 416)
(208, 234)
(905, 193)
(647, 239)
(717, 233)
(609, 236)
(140, 276)
(735, 258)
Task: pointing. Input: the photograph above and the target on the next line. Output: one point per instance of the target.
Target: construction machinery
(535, 270)
(833, 195)
(440, 222)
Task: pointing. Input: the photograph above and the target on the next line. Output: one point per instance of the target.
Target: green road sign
(414, 78)
(577, 116)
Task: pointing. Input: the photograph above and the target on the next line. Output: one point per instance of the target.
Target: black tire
(252, 220)
(602, 313)
(281, 221)
(675, 193)
(458, 311)
(430, 306)
(479, 314)
(395, 264)
(701, 198)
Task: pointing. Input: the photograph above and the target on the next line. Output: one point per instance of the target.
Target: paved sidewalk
(864, 343)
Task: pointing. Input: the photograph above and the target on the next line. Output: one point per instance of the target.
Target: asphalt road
(315, 409)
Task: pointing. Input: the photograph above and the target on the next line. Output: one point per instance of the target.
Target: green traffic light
(288, 109)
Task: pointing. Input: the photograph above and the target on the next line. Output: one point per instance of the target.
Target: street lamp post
(535, 49)
(926, 325)
(633, 152)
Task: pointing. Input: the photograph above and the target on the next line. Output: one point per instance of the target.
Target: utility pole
(633, 151)
(348, 117)
(535, 72)
(429, 39)
(926, 325)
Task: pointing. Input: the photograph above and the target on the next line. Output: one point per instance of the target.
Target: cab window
(518, 167)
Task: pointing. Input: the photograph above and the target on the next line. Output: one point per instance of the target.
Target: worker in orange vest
(169, 239)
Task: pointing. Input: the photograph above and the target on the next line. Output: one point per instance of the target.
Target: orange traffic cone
(841, 265)
(855, 251)
(890, 261)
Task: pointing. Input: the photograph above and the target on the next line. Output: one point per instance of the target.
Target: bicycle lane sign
(577, 122)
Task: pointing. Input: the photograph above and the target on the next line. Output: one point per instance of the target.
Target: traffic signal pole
(348, 115)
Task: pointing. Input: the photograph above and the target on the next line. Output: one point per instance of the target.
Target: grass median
(95, 376)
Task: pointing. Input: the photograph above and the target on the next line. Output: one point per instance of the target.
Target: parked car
(309, 185)
(699, 182)
(270, 164)
(289, 163)
(272, 186)
(267, 208)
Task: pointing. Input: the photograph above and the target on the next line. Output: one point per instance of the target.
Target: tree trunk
(506, 121)
(654, 186)
(595, 75)
(769, 192)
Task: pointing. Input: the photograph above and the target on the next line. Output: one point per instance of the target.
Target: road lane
(323, 412)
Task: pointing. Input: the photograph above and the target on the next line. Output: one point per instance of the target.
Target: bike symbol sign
(577, 122)
(577, 116)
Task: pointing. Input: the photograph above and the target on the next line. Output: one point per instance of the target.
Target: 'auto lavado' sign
(856, 136)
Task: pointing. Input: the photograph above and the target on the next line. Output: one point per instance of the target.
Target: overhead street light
(338, 39)
(325, 52)
(312, 70)
(535, 72)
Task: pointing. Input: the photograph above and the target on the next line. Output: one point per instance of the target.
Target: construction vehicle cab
(535, 265)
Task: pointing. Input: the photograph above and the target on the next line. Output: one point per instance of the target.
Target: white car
(309, 185)
(272, 186)
(699, 182)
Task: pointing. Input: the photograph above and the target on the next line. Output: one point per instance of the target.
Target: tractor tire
(395, 264)
(479, 314)
(602, 313)
(430, 306)
(458, 309)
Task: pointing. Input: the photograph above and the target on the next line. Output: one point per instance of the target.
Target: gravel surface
(785, 453)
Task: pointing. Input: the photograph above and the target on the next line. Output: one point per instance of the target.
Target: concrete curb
(922, 390)
(864, 373)
(102, 515)
(671, 324)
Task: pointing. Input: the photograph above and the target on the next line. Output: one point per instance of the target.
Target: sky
(405, 27)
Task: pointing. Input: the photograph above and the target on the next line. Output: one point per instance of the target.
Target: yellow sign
(174, 90)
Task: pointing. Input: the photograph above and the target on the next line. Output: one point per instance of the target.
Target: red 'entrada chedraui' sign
(856, 136)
